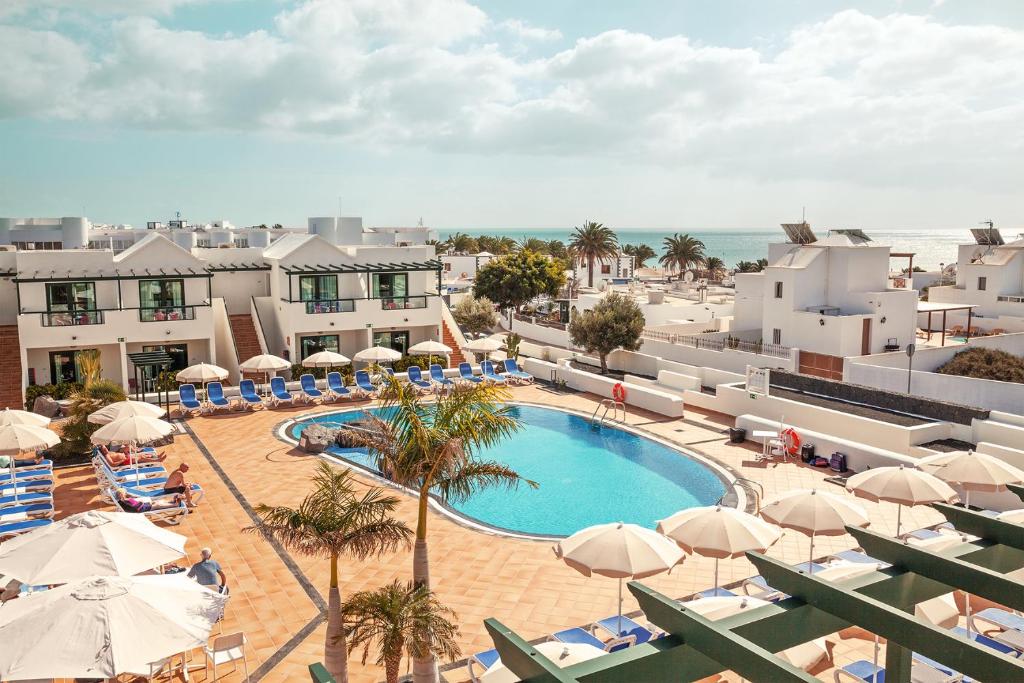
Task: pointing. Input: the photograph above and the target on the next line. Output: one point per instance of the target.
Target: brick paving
(240, 463)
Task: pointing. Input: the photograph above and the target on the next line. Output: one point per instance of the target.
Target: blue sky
(528, 114)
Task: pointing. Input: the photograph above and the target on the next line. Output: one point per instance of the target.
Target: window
(389, 285)
(982, 283)
(606, 269)
(447, 267)
(203, 243)
(178, 354)
(318, 287)
(399, 341)
(71, 303)
(324, 342)
(778, 290)
(161, 300)
(776, 336)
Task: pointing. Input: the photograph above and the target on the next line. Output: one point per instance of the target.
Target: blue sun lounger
(24, 475)
(25, 498)
(187, 400)
(279, 392)
(487, 370)
(485, 660)
(26, 487)
(512, 369)
(336, 387)
(437, 376)
(861, 670)
(16, 528)
(466, 374)
(766, 592)
(309, 391)
(416, 377)
(611, 625)
(581, 636)
(364, 383)
(19, 513)
(997, 616)
(137, 492)
(215, 396)
(247, 392)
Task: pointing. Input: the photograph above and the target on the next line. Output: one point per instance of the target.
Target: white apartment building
(324, 289)
(617, 268)
(989, 277)
(829, 298)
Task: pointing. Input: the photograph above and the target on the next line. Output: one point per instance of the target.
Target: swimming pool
(587, 475)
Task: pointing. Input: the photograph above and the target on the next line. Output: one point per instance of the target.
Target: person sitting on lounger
(124, 456)
(129, 504)
(176, 483)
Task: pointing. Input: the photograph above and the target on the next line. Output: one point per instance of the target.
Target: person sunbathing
(131, 504)
(124, 456)
(176, 483)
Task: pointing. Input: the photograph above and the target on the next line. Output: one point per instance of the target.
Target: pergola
(157, 361)
(930, 307)
(880, 602)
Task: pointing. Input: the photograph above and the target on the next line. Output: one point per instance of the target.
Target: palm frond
(459, 483)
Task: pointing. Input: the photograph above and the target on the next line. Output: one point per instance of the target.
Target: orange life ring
(619, 392)
(791, 440)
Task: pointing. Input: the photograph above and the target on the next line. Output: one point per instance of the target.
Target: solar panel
(799, 233)
(987, 236)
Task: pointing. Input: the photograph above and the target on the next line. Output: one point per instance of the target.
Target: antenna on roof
(799, 233)
(803, 214)
(989, 236)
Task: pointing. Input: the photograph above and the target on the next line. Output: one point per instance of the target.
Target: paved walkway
(277, 600)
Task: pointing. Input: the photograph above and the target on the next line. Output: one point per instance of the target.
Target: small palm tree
(402, 619)
(429, 447)
(746, 267)
(640, 253)
(761, 264)
(533, 244)
(682, 252)
(461, 243)
(330, 522)
(591, 242)
(714, 266)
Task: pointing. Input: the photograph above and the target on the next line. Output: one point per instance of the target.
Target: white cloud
(524, 31)
(896, 99)
(10, 8)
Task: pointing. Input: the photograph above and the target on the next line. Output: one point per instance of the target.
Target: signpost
(758, 380)
(911, 348)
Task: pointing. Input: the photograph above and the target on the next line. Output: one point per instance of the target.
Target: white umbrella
(972, 471)
(137, 429)
(378, 354)
(325, 359)
(22, 438)
(719, 532)
(22, 417)
(1012, 516)
(484, 344)
(201, 373)
(900, 485)
(430, 348)
(265, 362)
(562, 654)
(90, 543)
(102, 627)
(815, 513)
(722, 606)
(618, 551)
(123, 409)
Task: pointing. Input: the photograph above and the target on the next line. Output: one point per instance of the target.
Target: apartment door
(64, 367)
(398, 341)
(865, 337)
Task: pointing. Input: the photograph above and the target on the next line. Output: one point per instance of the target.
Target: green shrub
(986, 364)
(347, 373)
(422, 362)
(77, 429)
(56, 391)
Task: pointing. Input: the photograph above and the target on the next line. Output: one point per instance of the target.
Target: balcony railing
(719, 343)
(402, 302)
(66, 318)
(330, 306)
(167, 314)
(1011, 298)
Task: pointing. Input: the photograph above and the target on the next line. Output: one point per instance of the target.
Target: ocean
(931, 247)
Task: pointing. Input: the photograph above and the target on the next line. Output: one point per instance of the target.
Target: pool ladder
(608, 404)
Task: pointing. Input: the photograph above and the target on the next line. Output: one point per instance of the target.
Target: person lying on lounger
(124, 456)
(130, 504)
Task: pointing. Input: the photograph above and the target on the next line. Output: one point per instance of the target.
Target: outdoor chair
(985, 641)
(25, 498)
(187, 401)
(23, 527)
(309, 391)
(278, 391)
(365, 385)
(581, 636)
(437, 376)
(20, 513)
(8, 489)
(512, 369)
(766, 592)
(215, 396)
(171, 515)
(997, 616)
(611, 626)
(247, 394)
(861, 670)
(336, 387)
(416, 378)
(226, 649)
(487, 370)
(136, 492)
(23, 474)
(466, 374)
(485, 660)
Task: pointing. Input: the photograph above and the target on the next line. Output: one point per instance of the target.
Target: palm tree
(402, 619)
(640, 253)
(761, 264)
(682, 252)
(714, 266)
(591, 242)
(533, 244)
(461, 243)
(746, 267)
(430, 447)
(330, 522)
(505, 245)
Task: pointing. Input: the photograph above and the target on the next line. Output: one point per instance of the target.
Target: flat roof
(930, 306)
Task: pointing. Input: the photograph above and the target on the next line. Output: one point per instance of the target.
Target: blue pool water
(587, 476)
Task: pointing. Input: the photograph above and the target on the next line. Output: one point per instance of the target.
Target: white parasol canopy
(484, 344)
(325, 359)
(102, 627)
(815, 513)
(429, 348)
(901, 485)
(265, 362)
(562, 654)
(22, 438)
(378, 354)
(89, 543)
(973, 471)
(123, 409)
(201, 373)
(22, 417)
(722, 606)
(138, 429)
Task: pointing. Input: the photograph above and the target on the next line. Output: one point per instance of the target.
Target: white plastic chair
(229, 648)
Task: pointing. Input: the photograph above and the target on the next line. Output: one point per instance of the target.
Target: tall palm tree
(330, 522)
(682, 252)
(640, 253)
(505, 245)
(462, 243)
(714, 266)
(533, 244)
(746, 267)
(430, 447)
(591, 242)
(402, 619)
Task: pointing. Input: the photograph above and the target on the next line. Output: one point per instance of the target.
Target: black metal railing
(403, 302)
(167, 314)
(330, 306)
(719, 343)
(66, 318)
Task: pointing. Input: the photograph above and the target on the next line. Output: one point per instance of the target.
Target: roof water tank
(219, 238)
(350, 230)
(258, 238)
(186, 239)
(74, 232)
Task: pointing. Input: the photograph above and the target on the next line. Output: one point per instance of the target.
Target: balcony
(167, 314)
(69, 318)
(403, 302)
(330, 306)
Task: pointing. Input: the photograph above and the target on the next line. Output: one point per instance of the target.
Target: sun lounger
(580, 636)
(437, 376)
(716, 593)
(247, 393)
(278, 391)
(336, 387)
(416, 378)
(466, 374)
(155, 469)
(171, 515)
(197, 493)
(861, 670)
(628, 627)
(145, 476)
(16, 528)
(858, 557)
(309, 391)
(765, 592)
(487, 370)
(365, 385)
(187, 400)
(982, 639)
(485, 660)
(512, 369)
(24, 498)
(21, 487)
(24, 475)
(215, 396)
(20, 513)
(997, 616)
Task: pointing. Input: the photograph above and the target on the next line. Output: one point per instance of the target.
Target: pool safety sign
(757, 381)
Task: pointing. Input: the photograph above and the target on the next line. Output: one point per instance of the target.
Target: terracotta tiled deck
(277, 600)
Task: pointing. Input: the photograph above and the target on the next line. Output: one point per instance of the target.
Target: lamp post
(911, 348)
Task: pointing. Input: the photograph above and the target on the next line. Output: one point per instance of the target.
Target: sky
(536, 113)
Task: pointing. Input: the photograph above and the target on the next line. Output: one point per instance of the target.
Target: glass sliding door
(320, 292)
(162, 300)
(398, 341)
(315, 344)
(391, 288)
(64, 366)
(71, 303)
